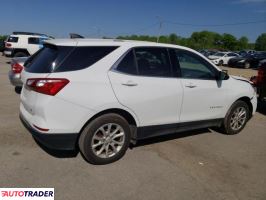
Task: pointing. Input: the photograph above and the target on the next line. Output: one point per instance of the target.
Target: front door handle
(190, 85)
(130, 83)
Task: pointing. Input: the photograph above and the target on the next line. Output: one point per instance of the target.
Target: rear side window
(12, 39)
(153, 62)
(33, 40)
(83, 57)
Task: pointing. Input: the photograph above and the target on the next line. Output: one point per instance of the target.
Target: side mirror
(222, 75)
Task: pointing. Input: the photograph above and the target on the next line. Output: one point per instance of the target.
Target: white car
(23, 44)
(100, 95)
(222, 58)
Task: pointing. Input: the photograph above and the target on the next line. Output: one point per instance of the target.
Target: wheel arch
(248, 102)
(17, 50)
(133, 123)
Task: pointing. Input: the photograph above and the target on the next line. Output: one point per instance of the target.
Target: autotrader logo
(26, 193)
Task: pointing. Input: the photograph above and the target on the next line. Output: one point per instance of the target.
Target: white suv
(100, 95)
(23, 44)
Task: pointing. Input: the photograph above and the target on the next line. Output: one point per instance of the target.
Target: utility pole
(160, 27)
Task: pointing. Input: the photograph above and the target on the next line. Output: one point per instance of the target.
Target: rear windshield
(61, 58)
(12, 39)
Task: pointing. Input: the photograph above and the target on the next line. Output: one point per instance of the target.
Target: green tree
(260, 44)
(3, 37)
(242, 43)
(229, 41)
(173, 38)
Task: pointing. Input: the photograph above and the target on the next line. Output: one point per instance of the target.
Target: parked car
(103, 94)
(23, 44)
(222, 58)
(247, 61)
(208, 52)
(246, 52)
(2, 45)
(17, 65)
(260, 80)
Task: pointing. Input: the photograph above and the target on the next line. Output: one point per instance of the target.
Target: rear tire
(236, 118)
(105, 139)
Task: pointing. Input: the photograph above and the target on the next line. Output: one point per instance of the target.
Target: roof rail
(28, 33)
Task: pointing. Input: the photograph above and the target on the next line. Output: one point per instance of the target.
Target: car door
(229, 56)
(204, 96)
(144, 83)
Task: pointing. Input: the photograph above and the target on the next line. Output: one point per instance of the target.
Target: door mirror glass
(222, 75)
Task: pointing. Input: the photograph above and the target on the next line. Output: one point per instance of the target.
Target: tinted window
(60, 59)
(83, 57)
(12, 39)
(46, 59)
(127, 65)
(33, 40)
(232, 54)
(153, 62)
(193, 66)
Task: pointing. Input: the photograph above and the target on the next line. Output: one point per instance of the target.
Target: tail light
(16, 68)
(48, 86)
(8, 45)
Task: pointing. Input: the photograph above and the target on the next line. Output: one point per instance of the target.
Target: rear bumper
(15, 79)
(8, 52)
(64, 141)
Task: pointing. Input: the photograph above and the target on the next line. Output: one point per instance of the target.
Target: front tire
(105, 139)
(220, 63)
(236, 118)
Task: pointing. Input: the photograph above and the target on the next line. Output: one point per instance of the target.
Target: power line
(215, 25)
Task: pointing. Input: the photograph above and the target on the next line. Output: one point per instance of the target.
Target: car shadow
(58, 153)
(170, 136)
(261, 107)
(8, 62)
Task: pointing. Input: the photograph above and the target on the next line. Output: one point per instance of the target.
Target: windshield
(220, 54)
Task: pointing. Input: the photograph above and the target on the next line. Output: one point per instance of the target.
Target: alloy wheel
(238, 118)
(108, 140)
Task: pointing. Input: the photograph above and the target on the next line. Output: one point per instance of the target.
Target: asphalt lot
(195, 165)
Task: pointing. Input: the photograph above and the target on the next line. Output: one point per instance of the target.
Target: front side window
(153, 62)
(194, 67)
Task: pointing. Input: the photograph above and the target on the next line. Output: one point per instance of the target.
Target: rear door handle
(130, 83)
(190, 85)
